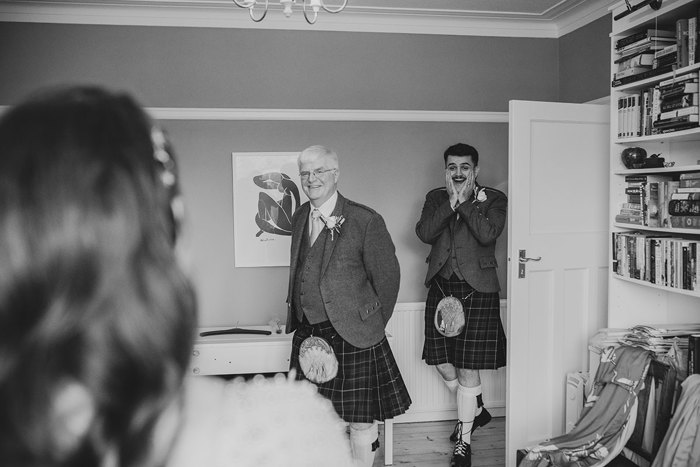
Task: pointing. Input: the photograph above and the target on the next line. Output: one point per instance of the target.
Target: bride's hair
(91, 292)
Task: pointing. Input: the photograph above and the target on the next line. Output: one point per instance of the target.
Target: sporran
(317, 360)
(449, 315)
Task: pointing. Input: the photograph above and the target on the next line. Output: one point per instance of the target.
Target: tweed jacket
(359, 275)
(475, 234)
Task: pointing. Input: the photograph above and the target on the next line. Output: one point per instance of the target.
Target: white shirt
(326, 208)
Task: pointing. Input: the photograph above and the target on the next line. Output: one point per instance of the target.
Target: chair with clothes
(656, 402)
(629, 406)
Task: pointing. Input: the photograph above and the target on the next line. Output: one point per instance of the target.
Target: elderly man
(343, 285)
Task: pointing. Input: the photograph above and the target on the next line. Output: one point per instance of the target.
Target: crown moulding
(553, 23)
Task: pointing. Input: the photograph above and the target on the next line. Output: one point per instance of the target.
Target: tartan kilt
(482, 343)
(368, 385)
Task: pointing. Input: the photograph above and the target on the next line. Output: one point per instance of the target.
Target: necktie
(316, 226)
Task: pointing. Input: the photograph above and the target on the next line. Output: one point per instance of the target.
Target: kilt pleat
(482, 343)
(368, 386)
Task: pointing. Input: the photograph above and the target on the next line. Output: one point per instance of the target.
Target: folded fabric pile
(660, 338)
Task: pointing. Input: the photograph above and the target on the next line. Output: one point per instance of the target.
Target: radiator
(431, 399)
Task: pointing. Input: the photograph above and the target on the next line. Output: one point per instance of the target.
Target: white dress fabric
(260, 423)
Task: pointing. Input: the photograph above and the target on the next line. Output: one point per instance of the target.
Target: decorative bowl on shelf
(634, 158)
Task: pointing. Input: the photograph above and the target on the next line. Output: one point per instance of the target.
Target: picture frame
(266, 192)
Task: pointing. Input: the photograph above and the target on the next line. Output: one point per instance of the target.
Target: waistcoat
(307, 293)
(452, 266)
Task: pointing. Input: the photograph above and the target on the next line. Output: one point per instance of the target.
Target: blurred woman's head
(96, 316)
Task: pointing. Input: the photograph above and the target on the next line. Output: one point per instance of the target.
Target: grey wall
(584, 62)
(389, 166)
(194, 67)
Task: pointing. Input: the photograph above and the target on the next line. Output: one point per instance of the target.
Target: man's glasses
(317, 173)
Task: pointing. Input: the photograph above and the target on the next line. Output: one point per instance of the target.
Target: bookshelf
(655, 267)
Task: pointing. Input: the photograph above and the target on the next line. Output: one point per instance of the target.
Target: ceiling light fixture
(310, 8)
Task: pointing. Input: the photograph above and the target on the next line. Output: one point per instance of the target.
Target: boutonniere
(333, 224)
(479, 195)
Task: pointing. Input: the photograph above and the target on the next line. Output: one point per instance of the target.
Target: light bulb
(287, 4)
(315, 5)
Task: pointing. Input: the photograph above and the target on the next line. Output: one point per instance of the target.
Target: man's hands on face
(459, 193)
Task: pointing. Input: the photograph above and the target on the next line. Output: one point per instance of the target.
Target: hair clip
(167, 173)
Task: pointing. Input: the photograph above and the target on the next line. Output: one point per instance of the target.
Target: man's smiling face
(319, 179)
(459, 167)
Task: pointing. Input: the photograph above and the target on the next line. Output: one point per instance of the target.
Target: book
(631, 212)
(682, 42)
(693, 266)
(684, 207)
(644, 58)
(689, 175)
(674, 90)
(666, 190)
(649, 40)
(655, 107)
(687, 189)
(652, 215)
(689, 183)
(680, 101)
(638, 178)
(680, 112)
(632, 70)
(629, 219)
(676, 127)
(654, 258)
(693, 354)
(685, 222)
(646, 117)
(692, 38)
(683, 196)
(669, 59)
(668, 50)
(632, 38)
(647, 74)
(674, 122)
(632, 206)
(684, 78)
(649, 47)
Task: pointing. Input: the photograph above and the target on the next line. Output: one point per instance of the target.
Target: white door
(558, 211)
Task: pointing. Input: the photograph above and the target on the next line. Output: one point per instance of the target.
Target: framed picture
(266, 192)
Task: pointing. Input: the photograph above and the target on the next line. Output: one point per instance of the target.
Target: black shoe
(480, 420)
(462, 455)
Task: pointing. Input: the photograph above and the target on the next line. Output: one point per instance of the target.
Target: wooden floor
(427, 444)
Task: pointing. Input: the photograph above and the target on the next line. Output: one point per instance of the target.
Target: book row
(662, 260)
(671, 105)
(656, 200)
(693, 354)
(652, 52)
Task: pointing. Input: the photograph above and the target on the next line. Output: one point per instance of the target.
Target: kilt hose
(368, 385)
(482, 343)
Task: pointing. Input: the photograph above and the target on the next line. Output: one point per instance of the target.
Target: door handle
(522, 259)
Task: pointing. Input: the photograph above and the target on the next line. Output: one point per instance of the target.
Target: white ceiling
(515, 18)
